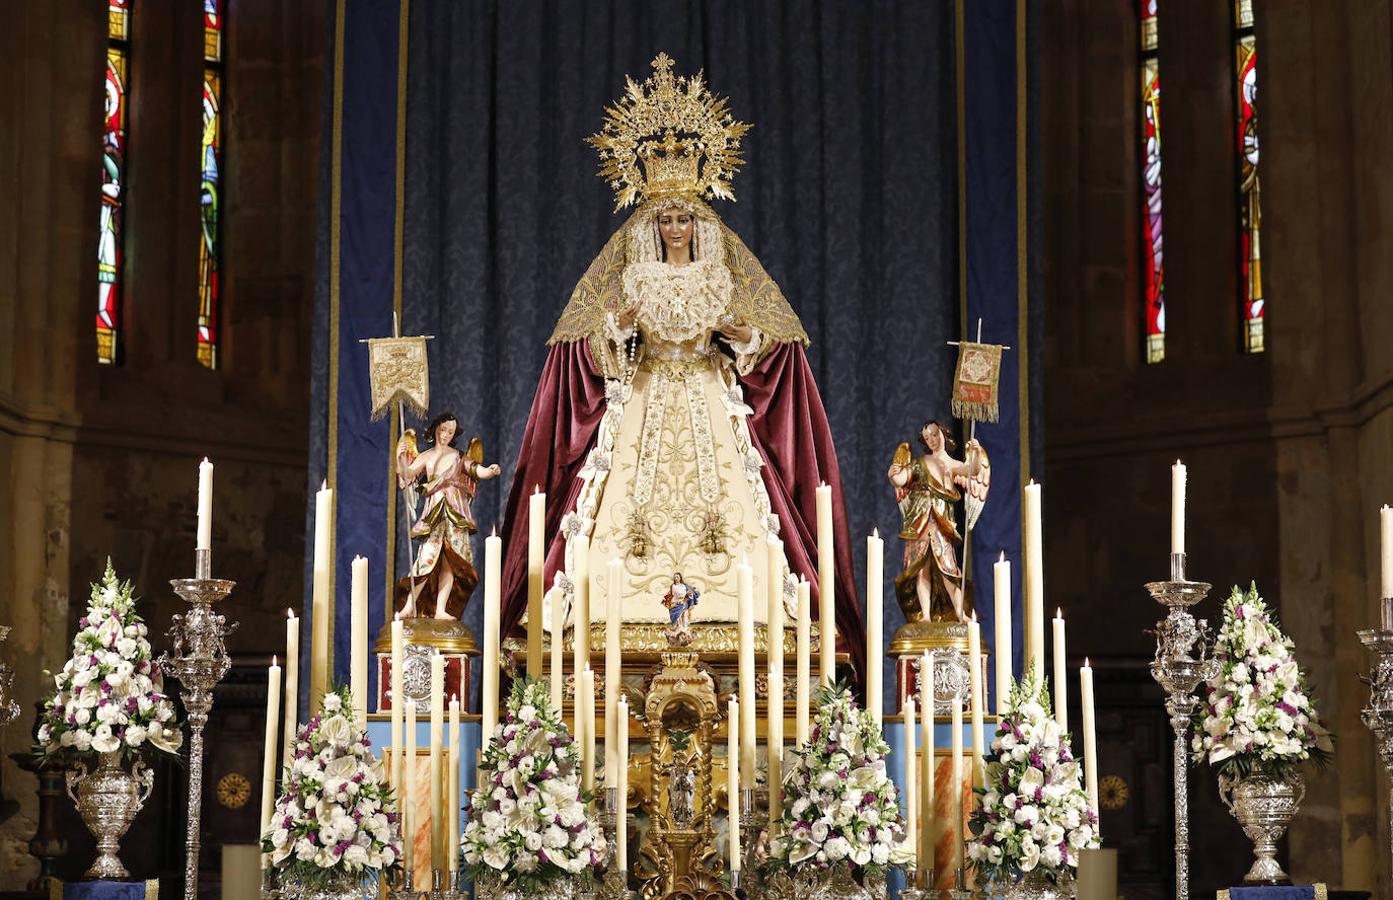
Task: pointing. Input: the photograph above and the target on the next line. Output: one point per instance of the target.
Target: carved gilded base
(946, 642)
(425, 637)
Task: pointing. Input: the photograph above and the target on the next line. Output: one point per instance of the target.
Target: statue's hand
(492, 471)
(627, 317)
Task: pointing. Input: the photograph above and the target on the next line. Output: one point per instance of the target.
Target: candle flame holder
(402, 887)
(1378, 714)
(615, 883)
(1181, 663)
(199, 661)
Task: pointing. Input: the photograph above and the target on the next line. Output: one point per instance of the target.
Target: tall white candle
(205, 505)
(776, 615)
(587, 722)
(437, 737)
(776, 742)
(452, 807)
(558, 658)
(613, 670)
(956, 804)
(1061, 680)
(322, 603)
(488, 695)
(408, 792)
(733, 779)
(622, 823)
(744, 580)
(826, 586)
(1385, 516)
(536, 556)
(1034, 583)
(801, 706)
(928, 708)
(358, 640)
(974, 659)
(580, 615)
(292, 684)
(911, 780)
(875, 605)
(1090, 735)
(268, 759)
(1178, 507)
(398, 698)
(1002, 573)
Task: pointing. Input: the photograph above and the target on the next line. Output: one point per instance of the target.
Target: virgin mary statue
(677, 426)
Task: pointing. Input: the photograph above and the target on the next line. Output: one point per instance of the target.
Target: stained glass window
(110, 252)
(1252, 303)
(210, 190)
(1152, 245)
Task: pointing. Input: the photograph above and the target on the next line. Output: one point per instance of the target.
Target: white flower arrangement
(527, 819)
(1034, 815)
(336, 815)
(1256, 716)
(109, 696)
(839, 802)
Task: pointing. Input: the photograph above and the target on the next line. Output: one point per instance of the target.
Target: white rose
(356, 856)
(135, 735)
(103, 741)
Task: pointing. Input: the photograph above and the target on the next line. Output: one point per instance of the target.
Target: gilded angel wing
(475, 453)
(974, 487)
(406, 455)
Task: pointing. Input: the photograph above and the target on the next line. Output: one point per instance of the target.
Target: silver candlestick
(615, 884)
(1179, 667)
(199, 662)
(1378, 714)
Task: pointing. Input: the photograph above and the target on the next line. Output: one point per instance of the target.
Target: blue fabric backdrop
(849, 198)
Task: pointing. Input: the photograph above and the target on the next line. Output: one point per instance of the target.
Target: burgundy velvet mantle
(789, 427)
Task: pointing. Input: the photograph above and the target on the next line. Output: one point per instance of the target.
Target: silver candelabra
(1179, 667)
(199, 662)
(1378, 714)
(615, 885)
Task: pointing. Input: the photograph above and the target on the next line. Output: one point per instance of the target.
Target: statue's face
(933, 438)
(445, 433)
(675, 225)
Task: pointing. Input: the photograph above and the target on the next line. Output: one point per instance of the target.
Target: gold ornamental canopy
(669, 137)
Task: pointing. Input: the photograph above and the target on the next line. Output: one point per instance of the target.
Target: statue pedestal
(450, 637)
(946, 642)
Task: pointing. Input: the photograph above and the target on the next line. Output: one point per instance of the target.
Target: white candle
(1178, 507)
(928, 709)
(776, 615)
(826, 585)
(613, 664)
(1386, 552)
(452, 807)
(744, 579)
(1034, 583)
(1002, 573)
(974, 659)
(875, 654)
(1090, 735)
(398, 698)
(536, 555)
(358, 640)
(580, 614)
(408, 792)
(292, 683)
(586, 723)
(733, 780)
(956, 804)
(911, 766)
(268, 759)
(488, 695)
(322, 605)
(558, 659)
(437, 737)
(776, 742)
(205, 505)
(1061, 680)
(622, 822)
(801, 706)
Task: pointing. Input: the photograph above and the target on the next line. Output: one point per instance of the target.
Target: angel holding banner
(444, 564)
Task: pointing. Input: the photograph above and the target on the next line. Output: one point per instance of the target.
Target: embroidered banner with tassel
(399, 372)
(976, 381)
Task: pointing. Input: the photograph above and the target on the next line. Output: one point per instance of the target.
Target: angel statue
(677, 419)
(680, 600)
(931, 586)
(447, 480)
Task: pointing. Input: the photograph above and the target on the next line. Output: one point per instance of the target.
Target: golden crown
(668, 137)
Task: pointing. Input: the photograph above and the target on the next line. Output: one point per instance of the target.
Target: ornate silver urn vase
(835, 882)
(555, 889)
(108, 798)
(1264, 806)
(1034, 885)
